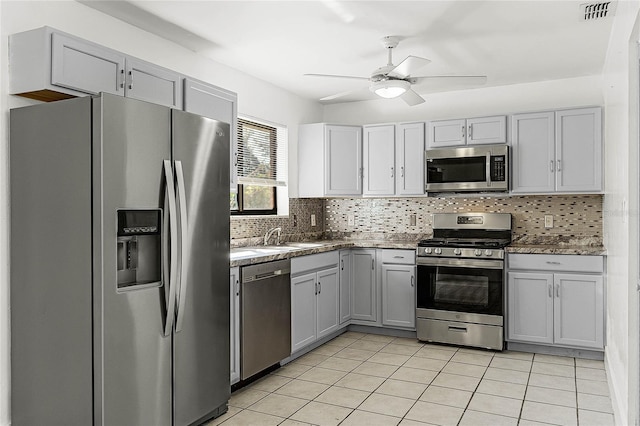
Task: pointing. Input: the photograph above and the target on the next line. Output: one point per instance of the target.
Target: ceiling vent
(595, 11)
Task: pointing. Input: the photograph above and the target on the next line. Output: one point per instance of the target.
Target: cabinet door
(533, 148)
(303, 311)
(530, 307)
(151, 83)
(234, 282)
(345, 285)
(378, 153)
(487, 130)
(328, 308)
(579, 310)
(447, 133)
(410, 159)
(579, 150)
(398, 296)
(365, 299)
(343, 160)
(83, 66)
(219, 104)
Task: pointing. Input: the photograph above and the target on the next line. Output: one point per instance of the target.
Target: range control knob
(438, 250)
(427, 250)
(478, 252)
(488, 252)
(457, 252)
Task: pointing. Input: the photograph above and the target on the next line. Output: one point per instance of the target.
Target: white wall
(620, 90)
(581, 91)
(256, 98)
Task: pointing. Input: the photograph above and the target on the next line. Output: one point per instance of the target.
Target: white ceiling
(279, 41)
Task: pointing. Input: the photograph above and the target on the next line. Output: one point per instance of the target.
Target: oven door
(460, 285)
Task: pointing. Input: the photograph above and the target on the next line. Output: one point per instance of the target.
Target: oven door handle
(464, 263)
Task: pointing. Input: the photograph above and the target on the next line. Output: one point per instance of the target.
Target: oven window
(451, 170)
(460, 289)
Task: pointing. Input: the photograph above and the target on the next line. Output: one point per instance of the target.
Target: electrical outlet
(548, 221)
(351, 220)
(295, 220)
(412, 219)
(313, 220)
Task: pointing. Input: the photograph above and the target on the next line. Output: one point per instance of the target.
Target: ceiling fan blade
(435, 81)
(337, 76)
(412, 98)
(342, 94)
(409, 66)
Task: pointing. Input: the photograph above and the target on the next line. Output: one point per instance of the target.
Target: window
(261, 167)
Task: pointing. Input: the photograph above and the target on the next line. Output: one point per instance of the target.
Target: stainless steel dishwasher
(265, 306)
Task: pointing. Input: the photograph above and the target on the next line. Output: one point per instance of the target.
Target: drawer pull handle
(458, 329)
(553, 263)
(398, 257)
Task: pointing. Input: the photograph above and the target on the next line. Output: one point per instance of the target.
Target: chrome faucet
(270, 232)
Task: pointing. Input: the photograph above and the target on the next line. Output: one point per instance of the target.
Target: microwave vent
(595, 11)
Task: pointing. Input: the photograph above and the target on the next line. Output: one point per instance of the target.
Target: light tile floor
(367, 379)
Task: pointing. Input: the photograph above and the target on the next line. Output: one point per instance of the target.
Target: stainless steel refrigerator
(119, 264)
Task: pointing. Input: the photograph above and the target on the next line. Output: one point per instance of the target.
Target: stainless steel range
(460, 286)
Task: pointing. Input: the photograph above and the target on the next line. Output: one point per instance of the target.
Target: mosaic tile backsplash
(577, 218)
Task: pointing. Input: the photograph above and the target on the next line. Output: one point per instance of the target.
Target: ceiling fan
(392, 81)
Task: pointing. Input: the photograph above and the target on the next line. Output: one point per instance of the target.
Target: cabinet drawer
(551, 262)
(407, 257)
(314, 262)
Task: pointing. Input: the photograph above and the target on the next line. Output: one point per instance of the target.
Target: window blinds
(262, 154)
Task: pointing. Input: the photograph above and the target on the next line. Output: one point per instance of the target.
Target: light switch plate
(412, 219)
(351, 220)
(548, 221)
(313, 220)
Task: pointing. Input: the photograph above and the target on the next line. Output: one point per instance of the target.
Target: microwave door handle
(170, 256)
(488, 170)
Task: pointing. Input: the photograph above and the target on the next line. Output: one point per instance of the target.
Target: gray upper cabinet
(148, 82)
(49, 65)
(378, 154)
(557, 151)
(410, 159)
(471, 131)
(220, 104)
(329, 160)
(85, 67)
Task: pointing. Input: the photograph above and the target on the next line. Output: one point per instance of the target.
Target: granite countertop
(556, 249)
(242, 256)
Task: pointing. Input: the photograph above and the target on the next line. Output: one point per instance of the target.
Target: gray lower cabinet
(365, 293)
(398, 278)
(234, 292)
(48, 65)
(556, 300)
(315, 292)
(346, 277)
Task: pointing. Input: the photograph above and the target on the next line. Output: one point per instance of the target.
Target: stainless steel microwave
(467, 169)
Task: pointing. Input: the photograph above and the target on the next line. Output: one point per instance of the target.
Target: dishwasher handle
(266, 275)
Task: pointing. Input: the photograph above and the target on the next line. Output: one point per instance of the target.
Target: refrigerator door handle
(184, 246)
(172, 262)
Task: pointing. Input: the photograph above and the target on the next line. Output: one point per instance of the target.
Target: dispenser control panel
(139, 248)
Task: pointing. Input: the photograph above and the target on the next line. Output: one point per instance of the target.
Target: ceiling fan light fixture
(389, 89)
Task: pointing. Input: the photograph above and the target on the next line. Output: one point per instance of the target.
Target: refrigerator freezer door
(132, 355)
(201, 343)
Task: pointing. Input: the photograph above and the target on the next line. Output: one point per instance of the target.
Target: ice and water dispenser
(139, 248)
